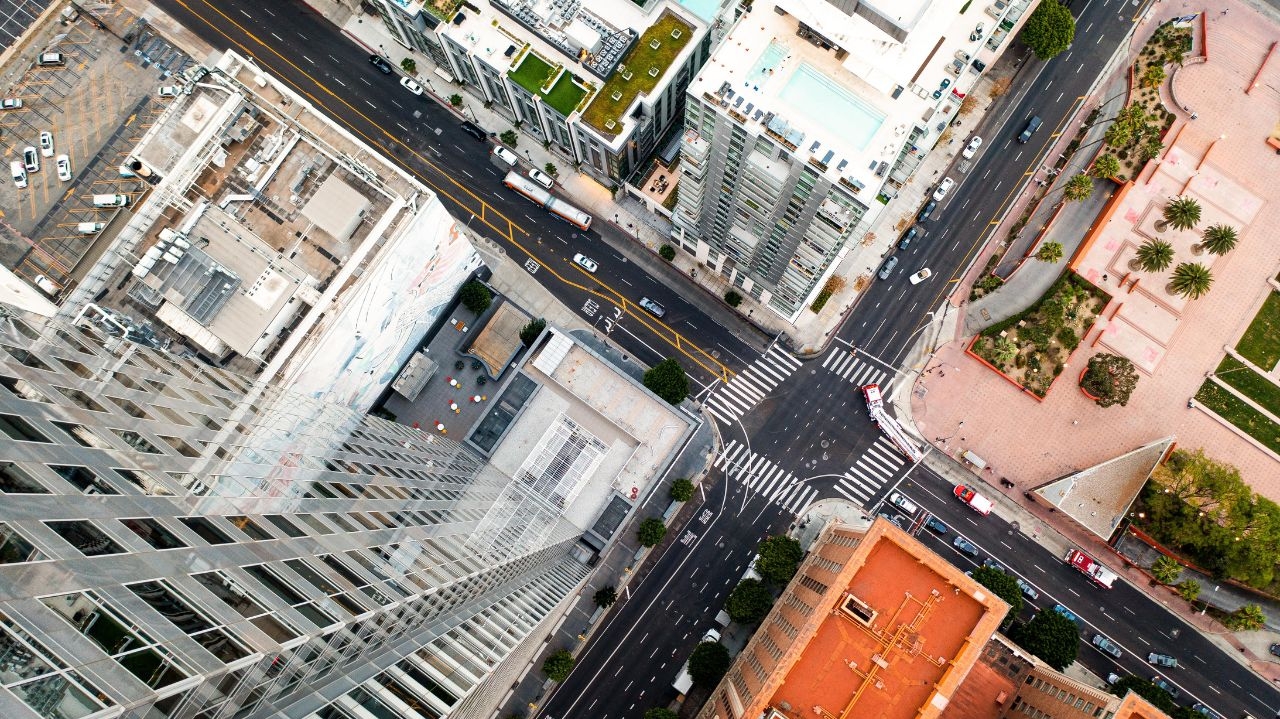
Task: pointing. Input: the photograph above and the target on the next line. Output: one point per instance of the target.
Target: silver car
(887, 268)
(654, 308)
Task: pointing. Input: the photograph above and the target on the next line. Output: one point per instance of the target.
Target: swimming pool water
(705, 9)
(838, 111)
(770, 59)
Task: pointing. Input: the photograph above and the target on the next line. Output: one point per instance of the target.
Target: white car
(169, 91)
(31, 159)
(921, 276)
(408, 84)
(18, 173)
(972, 148)
(943, 188)
(585, 263)
(11, 103)
(46, 144)
(64, 168)
(541, 178)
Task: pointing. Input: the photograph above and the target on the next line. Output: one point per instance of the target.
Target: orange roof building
(873, 625)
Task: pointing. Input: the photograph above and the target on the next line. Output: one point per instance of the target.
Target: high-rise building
(806, 120)
(874, 624)
(177, 540)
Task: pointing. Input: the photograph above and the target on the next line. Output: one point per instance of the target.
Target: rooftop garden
(443, 9)
(532, 73)
(565, 95)
(1032, 347)
(639, 72)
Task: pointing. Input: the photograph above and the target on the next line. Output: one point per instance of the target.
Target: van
(51, 59)
(1032, 125)
(90, 228)
(977, 462)
(110, 200)
(712, 635)
(505, 156)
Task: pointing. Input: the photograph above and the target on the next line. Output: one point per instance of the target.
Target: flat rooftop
(902, 635)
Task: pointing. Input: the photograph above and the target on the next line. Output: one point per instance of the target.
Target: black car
(474, 130)
(928, 210)
(908, 236)
(381, 63)
(936, 525)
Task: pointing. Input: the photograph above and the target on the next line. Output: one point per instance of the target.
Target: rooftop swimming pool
(705, 9)
(768, 61)
(831, 106)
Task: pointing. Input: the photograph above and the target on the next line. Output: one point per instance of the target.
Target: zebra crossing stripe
(783, 357)
(749, 384)
(766, 478)
(847, 496)
(728, 453)
(860, 487)
(772, 370)
(717, 413)
(730, 403)
(875, 464)
(774, 481)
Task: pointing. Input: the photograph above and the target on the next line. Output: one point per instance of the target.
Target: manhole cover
(825, 444)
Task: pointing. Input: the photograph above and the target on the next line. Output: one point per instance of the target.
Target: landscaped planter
(1080, 384)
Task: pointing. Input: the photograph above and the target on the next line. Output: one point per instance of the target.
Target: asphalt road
(310, 54)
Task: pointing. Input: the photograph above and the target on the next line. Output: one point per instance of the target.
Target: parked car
(18, 173)
(63, 164)
(1066, 613)
(1275, 650)
(901, 502)
(1203, 710)
(409, 84)
(1028, 591)
(936, 525)
(943, 188)
(965, 547)
(585, 263)
(896, 519)
(654, 308)
(921, 276)
(905, 241)
(381, 63)
(51, 59)
(10, 103)
(712, 635)
(1162, 660)
(474, 130)
(1106, 645)
(507, 157)
(31, 159)
(990, 563)
(971, 149)
(46, 144)
(887, 268)
(1165, 685)
(926, 211)
(169, 91)
(541, 178)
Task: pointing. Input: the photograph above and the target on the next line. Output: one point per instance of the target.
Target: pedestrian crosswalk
(765, 478)
(849, 366)
(878, 465)
(752, 385)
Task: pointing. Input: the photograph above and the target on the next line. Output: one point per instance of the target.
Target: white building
(805, 121)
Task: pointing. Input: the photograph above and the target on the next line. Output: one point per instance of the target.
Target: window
(339, 520)
(16, 480)
(305, 606)
(81, 435)
(153, 533)
(207, 531)
(118, 636)
(82, 535)
(143, 481)
(318, 580)
(250, 527)
(285, 525)
(216, 639)
(237, 597)
(23, 389)
(16, 550)
(184, 449)
(137, 441)
(129, 408)
(19, 429)
(84, 479)
(26, 358)
(81, 399)
(35, 675)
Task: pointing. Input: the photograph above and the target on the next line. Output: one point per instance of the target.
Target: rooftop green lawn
(638, 63)
(1249, 420)
(532, 73)
(1250, 383)
(1261, 342)
(564, 95)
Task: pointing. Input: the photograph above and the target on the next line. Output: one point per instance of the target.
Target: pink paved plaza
(1221, 158)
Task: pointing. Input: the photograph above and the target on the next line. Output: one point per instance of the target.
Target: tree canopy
(475, 296)
(651, 532)
(1050, 252)
(709, 662)
(1049, 30)
(749, 602)
(530, 332)
(1050, 636)
(1105, 167)
(1145, 689)
(779, 559)
(1110, 378)
(558, 665)
(1166, 570)
(1078, 188)
(1191, 280)
(668, 380)
(1003, 586)
(605, 597)
(682, 490)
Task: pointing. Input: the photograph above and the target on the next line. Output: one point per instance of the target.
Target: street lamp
(944, 440)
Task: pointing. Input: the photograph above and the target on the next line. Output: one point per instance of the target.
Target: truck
(888, 425)
(684, 680)
(976, 502)
(1091, 568)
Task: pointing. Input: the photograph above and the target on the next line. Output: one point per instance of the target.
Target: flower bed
(1032, 348)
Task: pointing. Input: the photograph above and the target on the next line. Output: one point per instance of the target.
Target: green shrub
(667, 252)
(475, 296)
(682, 490)
(651, 532)
(733, 299)
(558, 666)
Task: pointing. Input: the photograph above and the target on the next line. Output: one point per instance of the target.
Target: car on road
(18, 173)
(927, 210)
(971, 149)
(943, 188)
(901, 502)
(46, 144)
(409, 84)
(585, 263)
(921, 276)
(31, 159)
(1162, 660)
(381, 63)
(63, 164)
(653, 308)
(936, 525)
(1106, 645)
(886, 270)
(1203, 710)
(990, 563)
(1165, 685)
(965, 547)
(1028, 591)
(474, 130)
(976, 502)
(905, 241)
(11, 103)
(541, 178)
(1066, 613)
(1032, 125)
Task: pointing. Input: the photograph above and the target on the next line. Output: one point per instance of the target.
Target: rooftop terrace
(639, 72)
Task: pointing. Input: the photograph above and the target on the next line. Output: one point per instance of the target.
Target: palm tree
(1050, 252)
(1078, 188)
(1153, 256)
(1182, 213)
(1218, 239)
(1105, 167)
(1192, 280)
